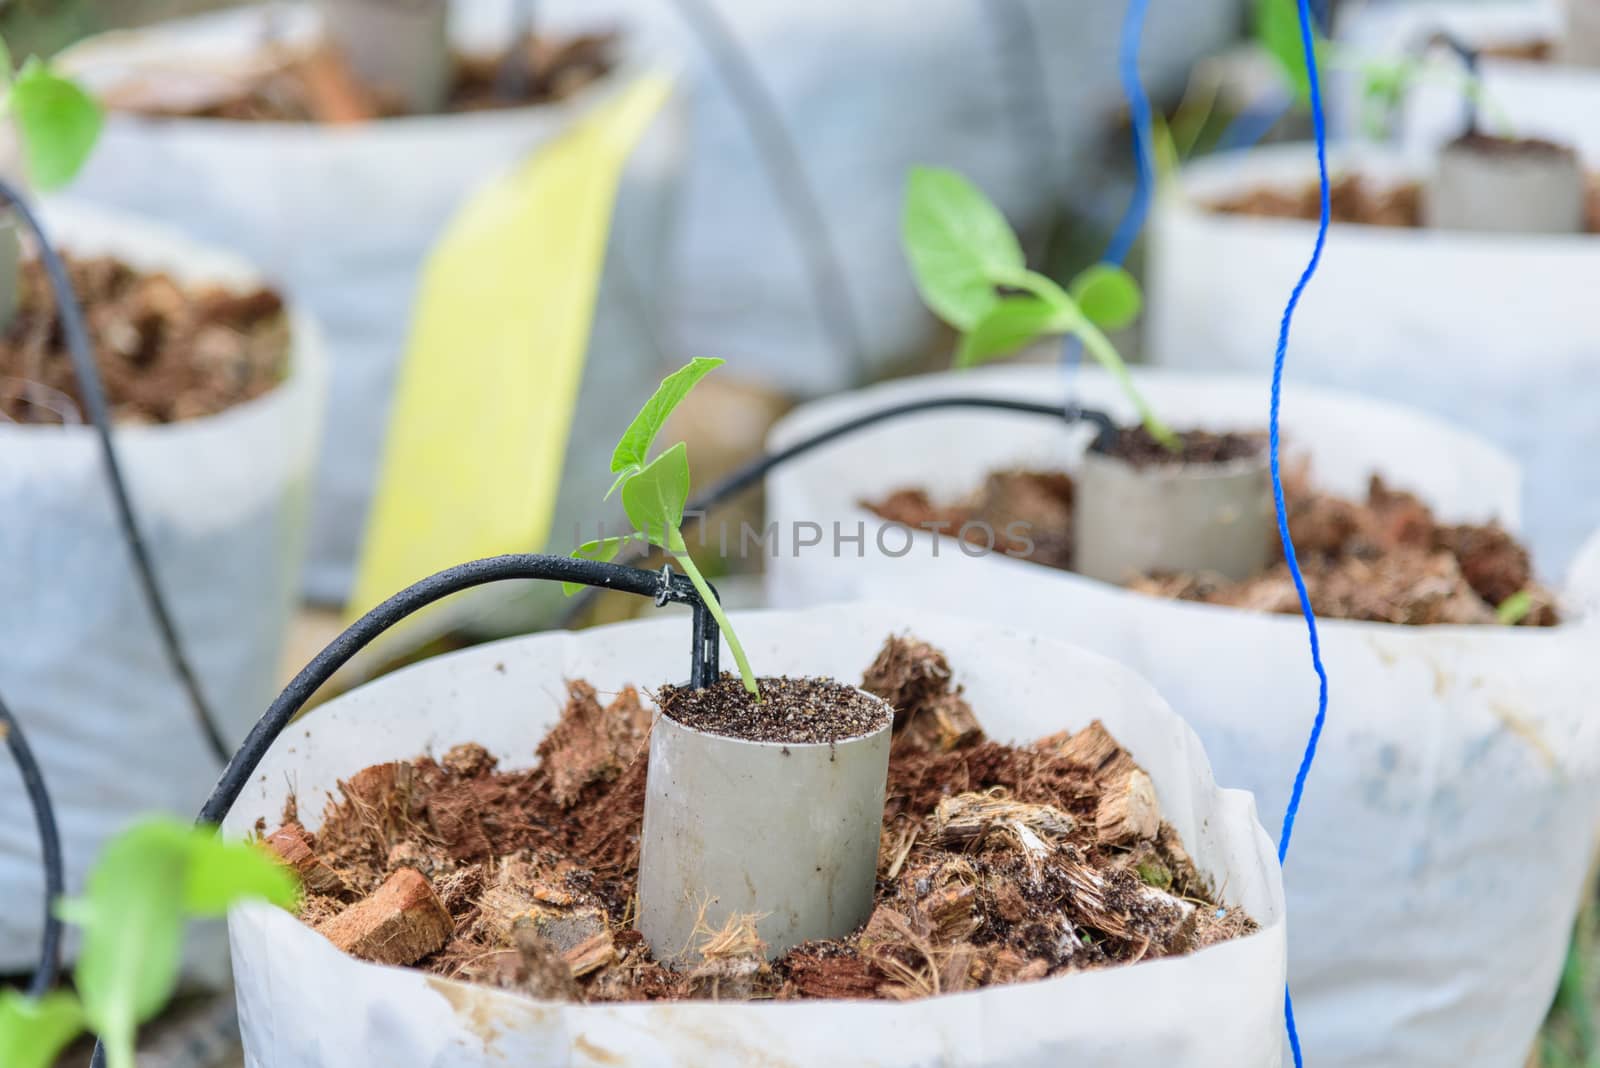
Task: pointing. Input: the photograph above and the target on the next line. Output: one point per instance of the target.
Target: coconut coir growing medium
(165, 351)
(998, 864)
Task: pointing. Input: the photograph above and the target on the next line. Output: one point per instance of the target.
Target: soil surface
(319, 86)
(791, 711)
(1510, 146)
(1357, 199)
(165, 351)
(998, 864)
(1139, 447)
(1385, 559)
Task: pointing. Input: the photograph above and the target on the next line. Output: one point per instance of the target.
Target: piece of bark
(1092, 748)
(292, 845)
(592, 954)
(967, 819)
(1128, 811)
(334, 93)
(399, 923)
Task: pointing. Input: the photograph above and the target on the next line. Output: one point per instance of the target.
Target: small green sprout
(146, 884)
(970, 270)
(57, 120)
(655, 493)
(1514, 609)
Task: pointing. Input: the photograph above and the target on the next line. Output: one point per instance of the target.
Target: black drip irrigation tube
(76, 334)
(757, 469)
(1469, 58)
(44, 977)
(664, 587)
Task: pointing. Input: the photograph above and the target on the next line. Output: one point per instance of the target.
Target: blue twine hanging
(1308, 45)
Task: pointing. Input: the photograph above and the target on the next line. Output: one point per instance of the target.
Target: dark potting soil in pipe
(998, 863)
(166, 350)
(1137, 446)
(1385, 559)
(317, 85)
(791, 711)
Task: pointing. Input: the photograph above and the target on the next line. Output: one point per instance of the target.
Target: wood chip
(1128, 811)
(292, 845)
(400, 923)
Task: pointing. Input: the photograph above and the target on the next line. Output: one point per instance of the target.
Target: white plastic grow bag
(1522, 98)
(221, 502)
(302, 1004)
(1448, 823)
(343, 218)
(1494, 332)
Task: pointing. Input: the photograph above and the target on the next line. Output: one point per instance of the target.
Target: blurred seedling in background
(147, 884)
(655, 493)
(56, 120)
(969, 268)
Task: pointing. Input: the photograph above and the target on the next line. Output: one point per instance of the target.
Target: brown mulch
(318, 86)
(1356, 199)
(998, 864)
(1385, 559)
(165, 351)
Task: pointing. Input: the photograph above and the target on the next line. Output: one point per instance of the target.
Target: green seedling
(57, 120)
(1514, 609)
(147, 883)
(1384, 82)
(655, 493)
(970, 270)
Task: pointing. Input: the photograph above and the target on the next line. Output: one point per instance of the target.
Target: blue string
(1143, 151)
(1143, 157)
(1308, 46)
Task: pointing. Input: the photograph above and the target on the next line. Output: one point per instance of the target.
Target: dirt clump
(165, 351)
(999, 864)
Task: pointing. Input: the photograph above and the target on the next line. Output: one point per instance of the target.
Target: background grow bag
(1496, 332)
(344, 216)
(1447, 826)
(303, 1004)
(1522, 97)
(222, 504)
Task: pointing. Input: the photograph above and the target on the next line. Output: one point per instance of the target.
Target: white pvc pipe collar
(1130, 521)
(1506, 190)
(788, 832)
(395, 46)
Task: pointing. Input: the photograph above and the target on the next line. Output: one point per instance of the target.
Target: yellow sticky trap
(485, 400)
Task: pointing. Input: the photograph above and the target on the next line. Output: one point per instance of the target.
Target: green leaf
(59, 123)
(6, 67)
(958, 244)
(1277, 26)
(1514, 609)
(634, 448)
(604, 550)
(655, 497)
(33, 1032)
(132, 916)
(1108, 296)
(221, 874)
(1010, 325)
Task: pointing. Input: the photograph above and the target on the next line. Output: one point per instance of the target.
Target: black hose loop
(44, 977)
